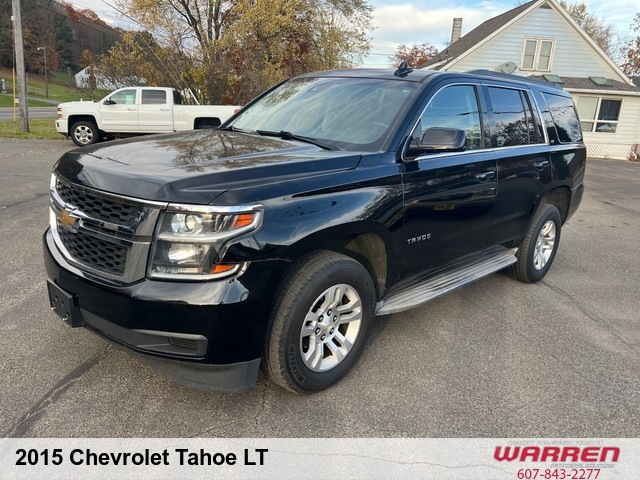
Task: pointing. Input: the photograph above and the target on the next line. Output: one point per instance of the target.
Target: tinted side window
(534, 125)
(454, 107)
(153, 97)
(564, 117)
(509, 116)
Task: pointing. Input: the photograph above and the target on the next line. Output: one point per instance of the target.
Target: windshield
(350, 113)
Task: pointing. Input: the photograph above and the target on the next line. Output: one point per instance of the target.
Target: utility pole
(22, 84)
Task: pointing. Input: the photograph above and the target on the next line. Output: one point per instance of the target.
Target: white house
(540, 39)
(87, 78)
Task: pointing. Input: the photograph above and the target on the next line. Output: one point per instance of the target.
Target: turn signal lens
(223, 268)
(243, 220)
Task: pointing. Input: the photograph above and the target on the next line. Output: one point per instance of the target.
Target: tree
(139, 60)
(6, 35)
(45, 25)
(235, 49)
(597, 28)
(415, 55)
(631, 52)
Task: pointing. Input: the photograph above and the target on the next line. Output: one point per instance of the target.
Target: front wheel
(319, 323)
(85, 133)
(539, 247)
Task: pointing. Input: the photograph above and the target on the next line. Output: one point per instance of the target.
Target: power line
(149, 46)
(107, 30)
(110, 32)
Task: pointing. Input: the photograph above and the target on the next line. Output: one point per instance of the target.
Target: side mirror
(109, 102)
(439, 139)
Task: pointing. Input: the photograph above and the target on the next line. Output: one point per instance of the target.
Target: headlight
(191, 241)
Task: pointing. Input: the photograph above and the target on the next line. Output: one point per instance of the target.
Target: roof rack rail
(512, 77)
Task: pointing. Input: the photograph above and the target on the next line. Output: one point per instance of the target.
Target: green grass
(61, 87)
(41, 128)
(6, 100)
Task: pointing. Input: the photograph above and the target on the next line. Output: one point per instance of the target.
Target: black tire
(84, 133)
(539, 247)
(303, 355)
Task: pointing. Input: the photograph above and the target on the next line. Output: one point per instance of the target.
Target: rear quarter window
(565, 118)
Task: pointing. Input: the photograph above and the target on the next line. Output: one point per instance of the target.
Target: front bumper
(62, 126)
(206, 335)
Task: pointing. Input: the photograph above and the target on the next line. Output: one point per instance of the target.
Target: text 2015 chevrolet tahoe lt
(330, 199)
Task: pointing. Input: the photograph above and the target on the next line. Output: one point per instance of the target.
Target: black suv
(332, 198)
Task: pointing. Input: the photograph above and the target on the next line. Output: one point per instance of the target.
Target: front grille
(100, 208)
(105, 234)
(93, 252)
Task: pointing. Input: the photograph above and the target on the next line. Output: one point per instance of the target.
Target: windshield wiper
(235, 129)
(290, 136)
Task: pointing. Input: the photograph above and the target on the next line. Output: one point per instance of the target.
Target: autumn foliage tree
(231, 50)
(414, 55)
(631, 51)
(64, 31)
(597, 28)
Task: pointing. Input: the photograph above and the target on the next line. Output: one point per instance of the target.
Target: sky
(420, 21)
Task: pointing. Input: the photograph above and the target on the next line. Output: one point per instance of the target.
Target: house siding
(573, 57)
(82, 81)
(620, 144)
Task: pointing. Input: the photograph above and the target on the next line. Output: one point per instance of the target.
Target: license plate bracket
(65, 305)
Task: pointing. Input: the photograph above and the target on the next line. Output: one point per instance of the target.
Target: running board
(446, 281)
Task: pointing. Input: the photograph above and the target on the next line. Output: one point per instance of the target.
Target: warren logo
(557, 454)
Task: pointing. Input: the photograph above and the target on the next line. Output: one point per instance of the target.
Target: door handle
(541, 164)
(131, 109)
(164, 109)
(484, 176)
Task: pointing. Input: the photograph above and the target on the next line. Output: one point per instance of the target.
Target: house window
(537, 54)
(599, 114)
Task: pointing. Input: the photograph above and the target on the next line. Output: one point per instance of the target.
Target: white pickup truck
(133, 111)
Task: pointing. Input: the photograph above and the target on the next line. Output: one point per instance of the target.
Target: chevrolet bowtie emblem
(66, 219)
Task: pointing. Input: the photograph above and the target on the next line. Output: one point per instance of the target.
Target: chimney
(456, 31)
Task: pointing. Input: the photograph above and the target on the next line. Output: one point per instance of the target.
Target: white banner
(326, 458)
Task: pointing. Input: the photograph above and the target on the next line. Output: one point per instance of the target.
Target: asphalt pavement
(497, 358)
(7, 113)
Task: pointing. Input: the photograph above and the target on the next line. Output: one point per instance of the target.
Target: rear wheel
(85, 133)
(539, 247)
(319, 323)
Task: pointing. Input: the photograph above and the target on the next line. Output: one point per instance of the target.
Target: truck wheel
(85, 133)
(319, 323)
(538, 249)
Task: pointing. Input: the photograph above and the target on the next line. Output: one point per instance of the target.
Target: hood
(77, 103)
(198, 166)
